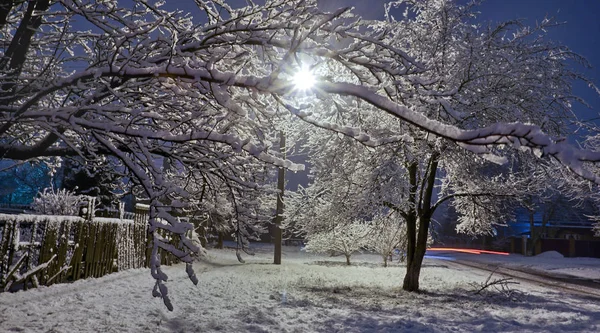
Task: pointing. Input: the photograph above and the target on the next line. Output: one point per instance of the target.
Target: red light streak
(472, 251)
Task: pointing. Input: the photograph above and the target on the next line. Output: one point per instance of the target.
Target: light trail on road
(472, 251)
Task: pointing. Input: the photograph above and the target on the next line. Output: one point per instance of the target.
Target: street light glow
(304, 79)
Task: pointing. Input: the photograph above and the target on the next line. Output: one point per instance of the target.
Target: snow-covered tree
(388, 234)
(341, 239)
(142, 84)
(473, 80)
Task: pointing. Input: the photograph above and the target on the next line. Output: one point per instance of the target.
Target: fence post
(141, 220)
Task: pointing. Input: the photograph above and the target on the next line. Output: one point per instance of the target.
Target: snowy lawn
(307, 293)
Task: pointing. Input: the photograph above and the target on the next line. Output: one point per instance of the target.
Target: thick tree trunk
(348, 259)
(414, 263)
(417, 239)
(413, 260)
(413, 271)
(411, 279)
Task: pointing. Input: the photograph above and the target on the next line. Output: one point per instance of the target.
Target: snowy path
(551, 262)
(563, 282)
(305, 294)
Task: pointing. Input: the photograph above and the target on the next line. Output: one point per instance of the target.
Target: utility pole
(279, 211)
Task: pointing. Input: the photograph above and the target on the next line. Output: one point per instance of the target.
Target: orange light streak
(472, 251)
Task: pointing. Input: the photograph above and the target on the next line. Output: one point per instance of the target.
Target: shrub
(61, 202)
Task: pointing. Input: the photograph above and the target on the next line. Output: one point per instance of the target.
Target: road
(563, 282)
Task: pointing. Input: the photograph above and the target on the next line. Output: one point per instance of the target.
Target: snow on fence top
(30, 218)
(142, 206)
(111, 220)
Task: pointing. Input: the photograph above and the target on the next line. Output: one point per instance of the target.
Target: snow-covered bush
(388, 233)
(57, 202)
(344, 239)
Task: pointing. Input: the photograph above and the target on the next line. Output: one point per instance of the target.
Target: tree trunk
(385, 260)
(414, 263)
(413, 271)
(348, 259)
(220, 241)
(411, 279)
(202, 236)
(417, 239)
(277, 237)
(5, 9)
(15, 55)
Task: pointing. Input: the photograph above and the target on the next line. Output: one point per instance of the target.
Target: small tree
(388, 234)
(345, 239)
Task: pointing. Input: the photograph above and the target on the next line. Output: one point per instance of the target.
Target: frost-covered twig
(500, 285)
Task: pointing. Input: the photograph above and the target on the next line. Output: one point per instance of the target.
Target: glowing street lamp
(304, 79)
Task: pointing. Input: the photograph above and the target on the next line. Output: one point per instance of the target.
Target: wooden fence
(43, 250)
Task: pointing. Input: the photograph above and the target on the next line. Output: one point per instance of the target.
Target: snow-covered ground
(550, 262)
(307, 293)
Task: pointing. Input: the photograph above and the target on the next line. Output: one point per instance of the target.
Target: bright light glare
(304, 79)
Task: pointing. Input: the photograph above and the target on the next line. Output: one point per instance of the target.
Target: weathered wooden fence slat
(98, 248)
(89, 249)
(79, 236)
(30, 252)
(48, 248)
(114, 250)
(5, 242)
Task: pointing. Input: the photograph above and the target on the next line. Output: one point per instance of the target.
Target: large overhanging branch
(476, 140)
(479, 140)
